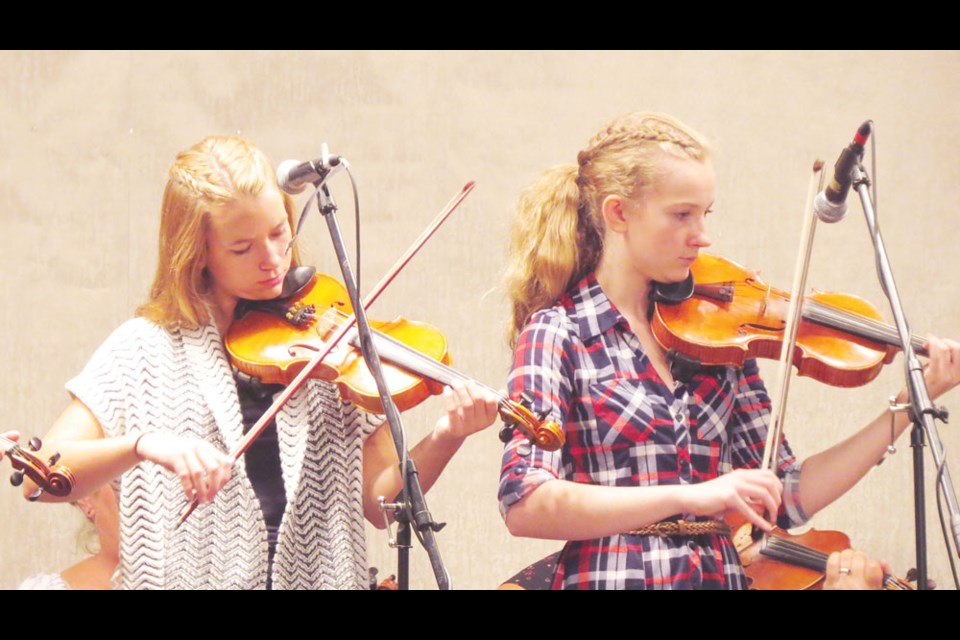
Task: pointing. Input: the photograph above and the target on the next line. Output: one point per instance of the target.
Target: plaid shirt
(626, 427)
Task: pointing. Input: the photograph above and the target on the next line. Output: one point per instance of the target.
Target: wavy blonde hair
(557, 233)
(214, 172)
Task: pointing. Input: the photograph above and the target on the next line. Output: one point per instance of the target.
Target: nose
(700, 239)
(273, 256)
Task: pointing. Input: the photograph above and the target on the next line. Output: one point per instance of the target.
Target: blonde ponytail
(545, 255)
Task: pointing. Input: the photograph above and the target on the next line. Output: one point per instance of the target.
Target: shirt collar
(592, 310)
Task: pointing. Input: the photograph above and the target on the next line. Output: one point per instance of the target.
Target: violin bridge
(766, 300)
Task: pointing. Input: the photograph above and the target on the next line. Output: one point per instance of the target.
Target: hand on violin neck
(470, 409)
(942, 371)
(851, 570)
(749, 492)
(202, 468)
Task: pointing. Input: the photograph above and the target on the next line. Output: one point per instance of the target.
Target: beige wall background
(87, 138)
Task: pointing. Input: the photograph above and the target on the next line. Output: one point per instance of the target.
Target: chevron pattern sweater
(145, 378)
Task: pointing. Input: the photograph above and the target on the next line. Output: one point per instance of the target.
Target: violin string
(413, 360)
(792, 550)
(796, 550)
(332, 318)
(437, 370)
(845, 319)
(837, 318)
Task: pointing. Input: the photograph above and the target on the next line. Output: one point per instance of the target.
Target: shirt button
(696, 578)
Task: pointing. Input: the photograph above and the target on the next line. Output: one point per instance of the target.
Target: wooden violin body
(273, 341)
(784, 561)
(275, 346)
(733, 315)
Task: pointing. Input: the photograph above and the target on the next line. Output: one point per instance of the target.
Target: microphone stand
(922, 410)
(412, 508)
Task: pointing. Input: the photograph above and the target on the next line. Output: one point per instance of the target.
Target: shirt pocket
(624, 411)
(633, 442)
(711, 406)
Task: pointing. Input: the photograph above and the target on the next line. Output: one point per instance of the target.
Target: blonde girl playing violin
(158, 405)
(651, 462)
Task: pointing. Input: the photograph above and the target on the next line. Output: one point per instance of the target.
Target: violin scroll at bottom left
(50, 477)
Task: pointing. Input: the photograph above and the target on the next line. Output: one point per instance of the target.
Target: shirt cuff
(792, 510)
(519, 482)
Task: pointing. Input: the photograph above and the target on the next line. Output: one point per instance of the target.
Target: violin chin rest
(296, 279)
(673, 292)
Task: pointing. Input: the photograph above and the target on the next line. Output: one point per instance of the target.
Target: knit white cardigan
(145, 378)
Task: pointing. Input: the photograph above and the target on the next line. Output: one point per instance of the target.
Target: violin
(274, 340)
(725, 314)
(722, 315)
(57, 480)
(782, 561)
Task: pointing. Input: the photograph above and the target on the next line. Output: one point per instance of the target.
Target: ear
(614, 217)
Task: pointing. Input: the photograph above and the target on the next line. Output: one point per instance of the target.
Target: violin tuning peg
(54, 459)
(33, 497)
(16, 478)
(35, 443)
(526, 398)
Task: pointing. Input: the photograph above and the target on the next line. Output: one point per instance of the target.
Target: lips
(271, 282)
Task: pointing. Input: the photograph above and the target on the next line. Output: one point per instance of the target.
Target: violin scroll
(57, 480)
(546, 434)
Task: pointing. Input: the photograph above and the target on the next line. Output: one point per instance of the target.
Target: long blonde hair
(557, 233)
(208, 175)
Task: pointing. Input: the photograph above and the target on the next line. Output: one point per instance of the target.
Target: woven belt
(669, 528)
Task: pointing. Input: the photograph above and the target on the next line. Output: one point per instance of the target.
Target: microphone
(830, 204)
(293, 176)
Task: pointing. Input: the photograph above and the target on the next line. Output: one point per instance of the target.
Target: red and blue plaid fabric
(626, 427)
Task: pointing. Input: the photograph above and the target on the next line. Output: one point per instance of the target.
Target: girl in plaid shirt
(650, 460)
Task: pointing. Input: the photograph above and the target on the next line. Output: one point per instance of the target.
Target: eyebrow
(246, 240)
(691, 204)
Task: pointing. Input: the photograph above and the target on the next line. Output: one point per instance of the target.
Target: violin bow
(771, 450)
(345, 327)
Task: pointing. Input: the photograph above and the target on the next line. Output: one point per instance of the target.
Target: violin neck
(403, 356)
(866, 328)
(800, 555)
(793, 553)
